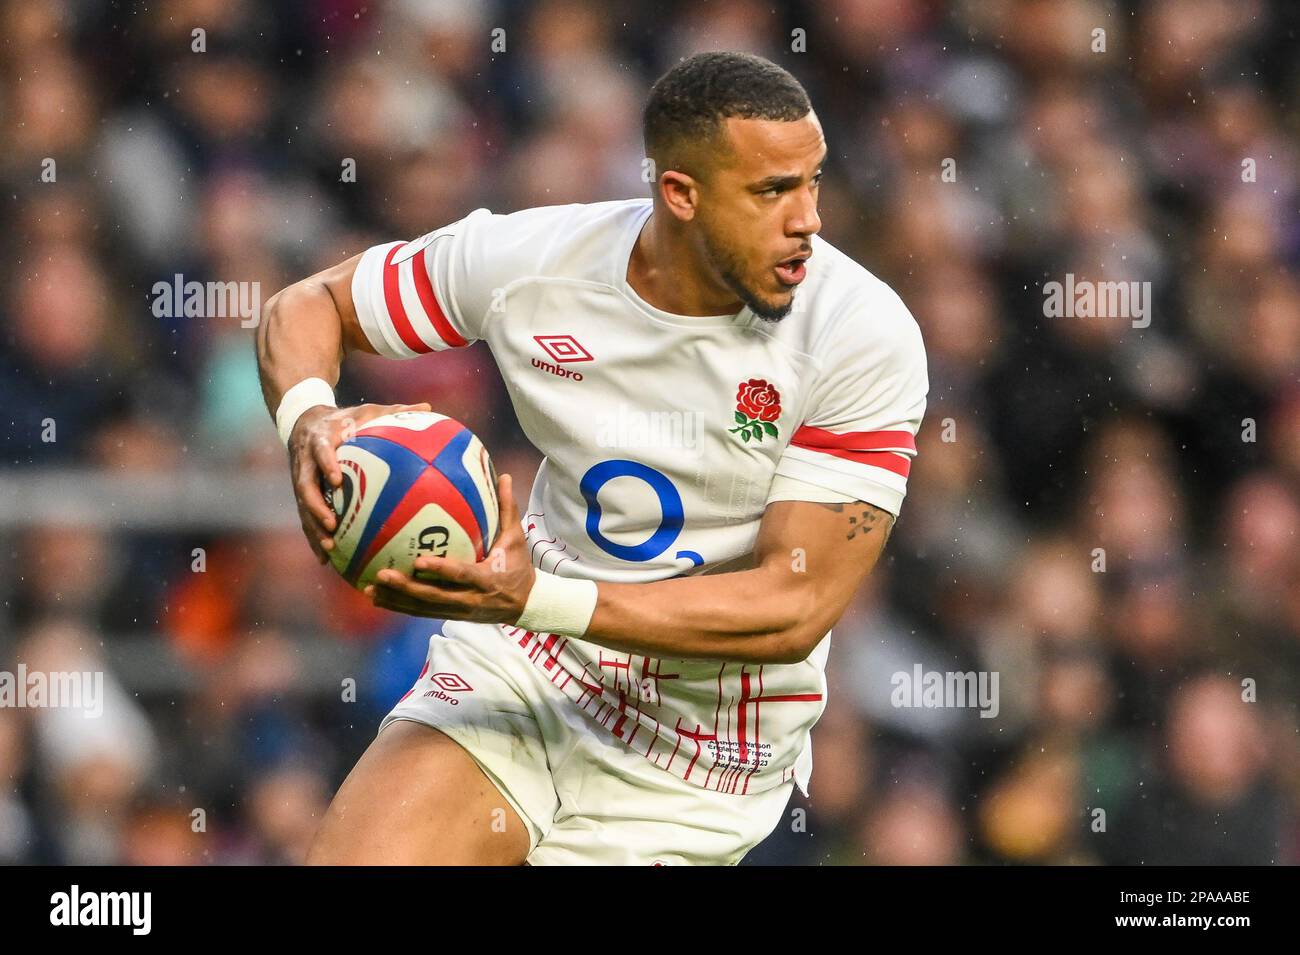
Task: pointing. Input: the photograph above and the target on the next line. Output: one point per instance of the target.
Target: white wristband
(308, 393)
(562, 605)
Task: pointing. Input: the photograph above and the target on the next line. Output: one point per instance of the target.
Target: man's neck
(665, 272)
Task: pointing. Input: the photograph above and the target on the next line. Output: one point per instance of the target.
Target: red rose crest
(758, 404)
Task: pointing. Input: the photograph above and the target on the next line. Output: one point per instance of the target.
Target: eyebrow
(772, 182)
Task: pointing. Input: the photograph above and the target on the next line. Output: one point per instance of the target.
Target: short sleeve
(434, 293)
(858, 436)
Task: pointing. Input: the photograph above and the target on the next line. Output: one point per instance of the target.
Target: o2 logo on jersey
(672, 514)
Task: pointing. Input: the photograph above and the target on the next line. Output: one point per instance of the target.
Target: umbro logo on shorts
(451, 682)
(448, 683)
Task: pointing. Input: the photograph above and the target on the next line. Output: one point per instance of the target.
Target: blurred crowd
(1107, 516)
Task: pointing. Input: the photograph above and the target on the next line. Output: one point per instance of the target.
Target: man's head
(737, 152)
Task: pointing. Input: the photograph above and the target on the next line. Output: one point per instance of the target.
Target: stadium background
(1119, 691)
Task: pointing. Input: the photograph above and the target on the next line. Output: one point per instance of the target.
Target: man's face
(758, 211)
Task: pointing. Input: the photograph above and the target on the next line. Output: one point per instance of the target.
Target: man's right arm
(397, 299)
(304, 333)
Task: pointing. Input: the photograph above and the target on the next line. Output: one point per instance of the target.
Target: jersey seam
(509, 286)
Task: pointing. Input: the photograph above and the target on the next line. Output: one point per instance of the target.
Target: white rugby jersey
(662, 437)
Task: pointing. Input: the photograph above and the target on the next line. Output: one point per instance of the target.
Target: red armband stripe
(396, 310)
(879, 449)
(424, 288)
(820, 439)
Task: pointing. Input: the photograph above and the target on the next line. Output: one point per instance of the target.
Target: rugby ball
(414, 483)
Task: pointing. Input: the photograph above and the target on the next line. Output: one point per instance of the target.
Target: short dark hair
(682, 122)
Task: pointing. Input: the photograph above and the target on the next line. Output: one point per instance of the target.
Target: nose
(804, 221)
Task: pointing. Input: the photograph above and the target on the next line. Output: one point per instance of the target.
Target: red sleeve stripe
(881, 449)
(424, 288)
(396, 310)
(819, 439)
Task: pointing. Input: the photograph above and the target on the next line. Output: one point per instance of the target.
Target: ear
(680, 194)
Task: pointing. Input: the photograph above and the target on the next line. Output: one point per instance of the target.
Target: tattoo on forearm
(865, 521)
(862, 518)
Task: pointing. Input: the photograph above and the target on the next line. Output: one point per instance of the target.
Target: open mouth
(792, 271)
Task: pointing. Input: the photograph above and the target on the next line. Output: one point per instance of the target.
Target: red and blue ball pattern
(414, 483)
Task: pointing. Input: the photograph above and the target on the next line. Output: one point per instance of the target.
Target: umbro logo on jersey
(564, 349)
(448, 683)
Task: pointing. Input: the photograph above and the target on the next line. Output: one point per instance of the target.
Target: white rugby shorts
(585, 799)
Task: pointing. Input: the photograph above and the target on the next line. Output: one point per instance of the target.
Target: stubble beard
(730, 270)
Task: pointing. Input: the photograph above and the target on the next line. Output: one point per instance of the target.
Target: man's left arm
(809, 559)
